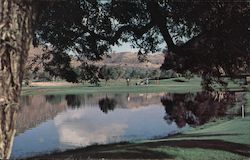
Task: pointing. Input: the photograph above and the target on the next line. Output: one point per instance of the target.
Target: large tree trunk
(15, 38)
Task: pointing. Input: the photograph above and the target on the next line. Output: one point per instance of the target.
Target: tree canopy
(208, 38)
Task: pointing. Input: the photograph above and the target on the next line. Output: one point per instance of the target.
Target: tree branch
(138, 32)
(159, 20)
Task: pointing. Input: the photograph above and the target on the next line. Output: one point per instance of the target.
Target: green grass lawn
(197, 154)
(118, 86)
(169, 85)
(236, 130)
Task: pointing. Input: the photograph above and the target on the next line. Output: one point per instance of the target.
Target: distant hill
(130, 59)
(122, 59)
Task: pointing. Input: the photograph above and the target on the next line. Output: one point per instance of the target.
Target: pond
(49, 123)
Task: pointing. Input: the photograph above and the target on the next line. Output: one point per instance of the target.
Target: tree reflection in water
(54, 99)
(73, 101)
(107, 104)
(196, 109)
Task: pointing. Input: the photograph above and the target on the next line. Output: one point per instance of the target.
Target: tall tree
(16, 18)
(89, 72)
(15, 38)
(107, 73)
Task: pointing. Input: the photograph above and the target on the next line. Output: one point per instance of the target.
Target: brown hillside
(123, 59)
(130, 59)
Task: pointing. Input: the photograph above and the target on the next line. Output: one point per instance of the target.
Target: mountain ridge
(122, 59)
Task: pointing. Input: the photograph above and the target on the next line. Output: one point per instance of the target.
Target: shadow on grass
(241, 149)
(198, 135)
(145, 150)
(112, 151)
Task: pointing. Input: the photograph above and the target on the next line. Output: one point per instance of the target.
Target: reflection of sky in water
(89, 125)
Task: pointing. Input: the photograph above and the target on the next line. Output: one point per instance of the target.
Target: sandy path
(47, 84)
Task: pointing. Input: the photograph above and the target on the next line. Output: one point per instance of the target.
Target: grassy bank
(170, 85)
(174, 85)
(217, 142)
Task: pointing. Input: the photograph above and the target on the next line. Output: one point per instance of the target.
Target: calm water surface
(51, 123)
(58, 122)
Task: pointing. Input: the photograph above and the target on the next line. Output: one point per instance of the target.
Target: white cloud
(76, 128)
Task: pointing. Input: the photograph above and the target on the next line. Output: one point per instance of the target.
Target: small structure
(147, 81)
(242, 111)
(128, 81)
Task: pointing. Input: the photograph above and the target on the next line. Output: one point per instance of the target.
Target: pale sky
(126, 47)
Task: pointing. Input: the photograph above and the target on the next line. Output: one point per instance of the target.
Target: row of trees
(92, 74)
(113, 72)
